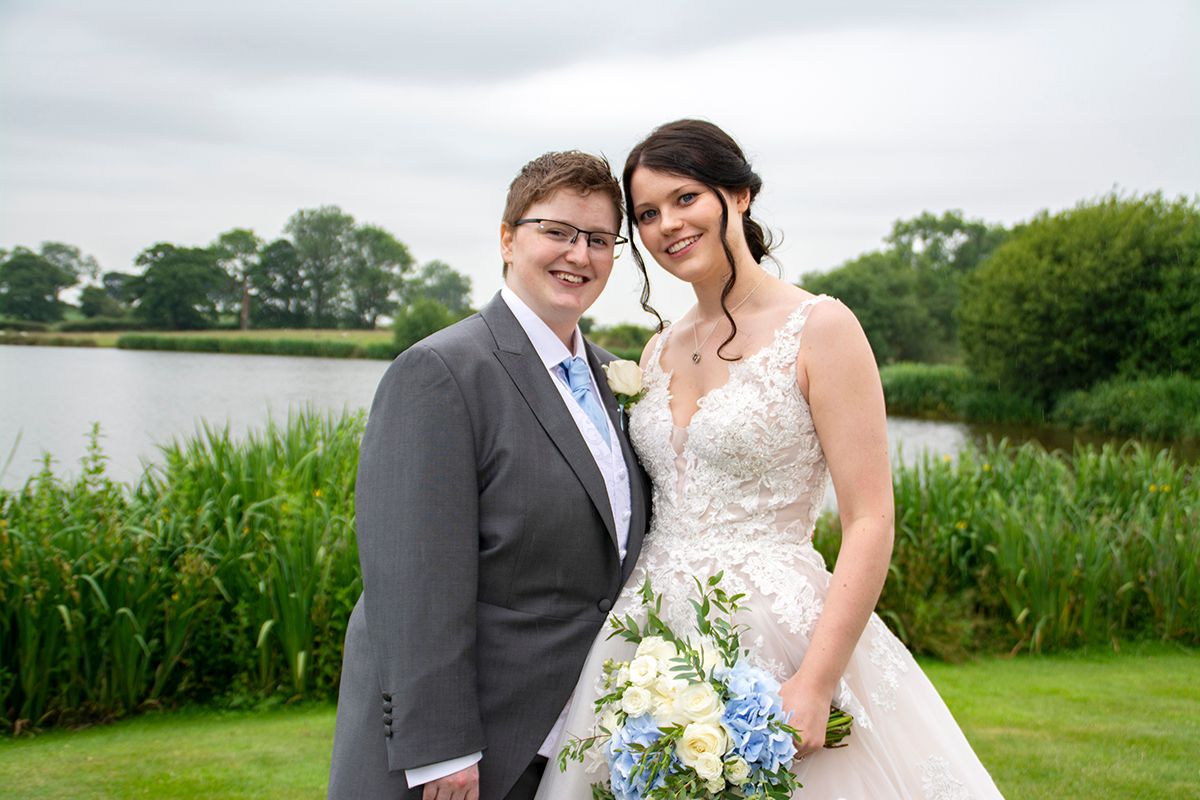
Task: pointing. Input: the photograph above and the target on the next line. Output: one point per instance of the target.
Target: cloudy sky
(127, 122)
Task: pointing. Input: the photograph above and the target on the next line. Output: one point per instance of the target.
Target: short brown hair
(550, 172)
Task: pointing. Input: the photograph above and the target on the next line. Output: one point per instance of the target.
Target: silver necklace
(695, 328)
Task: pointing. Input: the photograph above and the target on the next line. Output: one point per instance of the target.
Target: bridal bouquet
(691, 718)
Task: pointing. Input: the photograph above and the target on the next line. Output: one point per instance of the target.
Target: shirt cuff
(419, 776)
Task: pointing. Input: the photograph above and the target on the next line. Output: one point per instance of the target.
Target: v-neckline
(669, 374)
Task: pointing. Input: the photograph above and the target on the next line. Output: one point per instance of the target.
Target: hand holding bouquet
(693, 719)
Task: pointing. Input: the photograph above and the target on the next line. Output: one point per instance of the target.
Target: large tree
(440, 282)
(942, 251)
(321, 237)
(279, 288)
(882, 291)
(237, 253)
(181, 287)
(29, 287)
(69, 259)
(375, 265)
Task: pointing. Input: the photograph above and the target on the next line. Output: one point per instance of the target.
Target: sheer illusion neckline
(669, 374)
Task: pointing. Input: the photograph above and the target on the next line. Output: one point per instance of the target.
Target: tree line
(1107, 289)
(326, 271)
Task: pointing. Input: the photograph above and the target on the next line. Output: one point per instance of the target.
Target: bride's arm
(837, 373)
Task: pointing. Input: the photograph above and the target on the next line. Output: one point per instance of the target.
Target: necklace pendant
(696, 358)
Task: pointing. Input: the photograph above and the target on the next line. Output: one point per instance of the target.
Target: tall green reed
(227, 572)
(1015, 548)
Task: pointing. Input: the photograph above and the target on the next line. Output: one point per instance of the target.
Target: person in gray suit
(499, 509)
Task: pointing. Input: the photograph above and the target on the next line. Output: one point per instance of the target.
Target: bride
(752, 399)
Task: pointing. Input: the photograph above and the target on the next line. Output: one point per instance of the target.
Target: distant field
(109, 338)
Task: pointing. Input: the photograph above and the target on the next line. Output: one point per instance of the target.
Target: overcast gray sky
(128, 122)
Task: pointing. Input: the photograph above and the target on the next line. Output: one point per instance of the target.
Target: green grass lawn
(1069, 726)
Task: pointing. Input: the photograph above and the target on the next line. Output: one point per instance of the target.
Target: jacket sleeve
(417, 505)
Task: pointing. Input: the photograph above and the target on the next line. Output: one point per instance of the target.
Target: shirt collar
(549, 347)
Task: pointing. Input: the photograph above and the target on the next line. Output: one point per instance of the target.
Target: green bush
(8, 324)
(1165, 408)
(420, 318)
(1105, 289)
(100, 324)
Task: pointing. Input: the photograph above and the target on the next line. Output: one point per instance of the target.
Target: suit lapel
(637, 485)
(527, 372)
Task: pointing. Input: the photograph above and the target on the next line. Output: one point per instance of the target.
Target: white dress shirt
(609, 460)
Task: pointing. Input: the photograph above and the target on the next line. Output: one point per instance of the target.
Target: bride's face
(679, 221)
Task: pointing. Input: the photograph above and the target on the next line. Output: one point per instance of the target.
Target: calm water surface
(51, 396)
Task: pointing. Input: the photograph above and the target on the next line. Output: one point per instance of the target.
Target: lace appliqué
(888, 656)
(939, 783)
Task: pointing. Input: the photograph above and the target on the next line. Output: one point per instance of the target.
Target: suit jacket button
(387, 696)
(387, 719)
(604, 605)
(387, 707)
(387, 731)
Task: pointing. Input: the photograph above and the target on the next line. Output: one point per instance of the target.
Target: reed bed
(1013, 548)
(228, 573)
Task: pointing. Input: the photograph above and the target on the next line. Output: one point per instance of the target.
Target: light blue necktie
(579, 378)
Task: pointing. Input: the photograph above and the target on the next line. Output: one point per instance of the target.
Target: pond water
(51, 396)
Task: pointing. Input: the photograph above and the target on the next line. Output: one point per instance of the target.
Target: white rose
(737, 770)
(700, 738)
(624, 377)
(636, 701)
(716, 785)
(667, 687)
(709, 767)
(660, 648)
(622, 675)
(607, 721)
(643, 670)
(698, 703)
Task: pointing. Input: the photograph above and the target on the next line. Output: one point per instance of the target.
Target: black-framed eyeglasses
(566, 234)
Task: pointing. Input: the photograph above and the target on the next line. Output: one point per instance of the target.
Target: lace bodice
(749, 463)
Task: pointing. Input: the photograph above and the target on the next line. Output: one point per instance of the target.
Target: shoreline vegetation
(225, 575)
(315, 342)
(1161, 408)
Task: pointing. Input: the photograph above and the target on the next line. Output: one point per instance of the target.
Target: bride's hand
(809, 715)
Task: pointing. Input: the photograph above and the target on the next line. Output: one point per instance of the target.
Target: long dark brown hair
(701, 151)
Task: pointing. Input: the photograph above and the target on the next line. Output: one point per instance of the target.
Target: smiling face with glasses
(564, 235)
(559, 254)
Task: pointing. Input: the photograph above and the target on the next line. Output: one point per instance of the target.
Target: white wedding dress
(739, 491)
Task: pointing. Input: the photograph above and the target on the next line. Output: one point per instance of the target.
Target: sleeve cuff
(419, 776)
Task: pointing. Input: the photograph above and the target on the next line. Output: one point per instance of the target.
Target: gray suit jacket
(489, 560)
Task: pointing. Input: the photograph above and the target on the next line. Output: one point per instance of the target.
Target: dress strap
(656, 353)
(787, 341)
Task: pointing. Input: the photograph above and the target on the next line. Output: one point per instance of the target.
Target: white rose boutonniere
(625, 381)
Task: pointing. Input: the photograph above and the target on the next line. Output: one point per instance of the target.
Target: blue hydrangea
(622, 759)
(753, 702)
